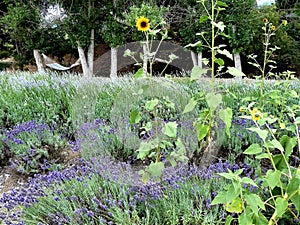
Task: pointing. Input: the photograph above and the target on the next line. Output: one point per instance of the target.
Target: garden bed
(67, 162)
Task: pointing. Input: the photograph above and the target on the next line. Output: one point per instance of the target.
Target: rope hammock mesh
(54, 65)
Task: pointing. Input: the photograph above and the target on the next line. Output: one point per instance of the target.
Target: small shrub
(4, 54)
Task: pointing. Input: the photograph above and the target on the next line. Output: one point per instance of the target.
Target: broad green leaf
(229, 176)
(234, 206)
(226, 196)
(203, 18)
(293, 189)
(135, 116)
(220, 25)
(213, 100)
(202, 131)
(239, 171)
(279, 162)
(297, 120)
(235, 72)
(281, 205)
(144, 150)
(197, 44)
(253, 149)
(291, 128)
(221, 198)
(261, 220)
(146, 147)
(288, 144)
(139, 74)
(263, 134)
(197, 72)
(219, 61)
(156, 168)
(276, 144)
(170, 129)
(145, 176)
(223, 4)
(293, 94)
(151, 104)
(226, 53)
(172, 161)
(245, 219)
(273, 178)
(237, 186)
(205, 61)
(226, 116)
(262, 156)
(229, 219)
(247, 180)
(190, 106)
(254, 201)
(180, 147)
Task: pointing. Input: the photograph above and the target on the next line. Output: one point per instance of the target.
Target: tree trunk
(114, 63)
(236, 55)
(200, 59)
(38, 60)
(237, 61)
(87, 64)
(83, 60)
(91, 51)
(194, 58)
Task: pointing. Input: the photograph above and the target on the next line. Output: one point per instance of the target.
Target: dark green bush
(4, 54)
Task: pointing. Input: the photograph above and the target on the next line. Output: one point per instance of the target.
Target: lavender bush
(106, 192)
(36, 147)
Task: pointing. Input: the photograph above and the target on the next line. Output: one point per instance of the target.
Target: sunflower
(265, 20)
(143, 24)
(256, 114)
(273, 28)
(242, 109)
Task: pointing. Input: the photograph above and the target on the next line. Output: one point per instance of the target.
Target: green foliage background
(114, 24)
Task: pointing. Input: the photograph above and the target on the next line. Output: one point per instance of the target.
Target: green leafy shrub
(4, 54)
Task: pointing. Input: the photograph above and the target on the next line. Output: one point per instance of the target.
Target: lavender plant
(112, 193)
(26, 97)
(97, 139)
(36, 147)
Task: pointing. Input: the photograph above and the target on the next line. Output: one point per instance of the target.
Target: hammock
(54, 65)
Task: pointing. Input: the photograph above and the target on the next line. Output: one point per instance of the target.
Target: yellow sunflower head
(143, 24)
(256, 114)
(265, 20)
(273, 28)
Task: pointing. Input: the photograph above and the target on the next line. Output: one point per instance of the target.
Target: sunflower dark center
(143, 24)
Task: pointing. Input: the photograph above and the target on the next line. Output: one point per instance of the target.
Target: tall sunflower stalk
(154, 146)
(269, 31)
